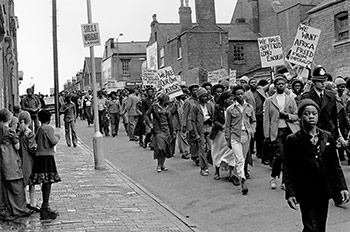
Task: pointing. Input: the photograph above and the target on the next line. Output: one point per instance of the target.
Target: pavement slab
(97, 200)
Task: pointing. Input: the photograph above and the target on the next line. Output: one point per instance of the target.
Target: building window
(155, 36)
(342, 26)
(161, 58)
(179, 49)
(238, 53)
(125, 67)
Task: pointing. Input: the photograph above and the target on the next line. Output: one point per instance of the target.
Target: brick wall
(252, 58)
(268, 19)
(332, 55)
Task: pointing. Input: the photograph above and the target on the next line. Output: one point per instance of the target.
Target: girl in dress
(27, 152)
(162, 130)
(44, 168)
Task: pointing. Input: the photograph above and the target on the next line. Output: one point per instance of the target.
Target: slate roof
(239, 31)
(130, 47)
(281, 5)
(323, 4)
(98, 62)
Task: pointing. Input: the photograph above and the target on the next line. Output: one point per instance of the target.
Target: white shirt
(241, 108)
(205, 112)
(281, 101)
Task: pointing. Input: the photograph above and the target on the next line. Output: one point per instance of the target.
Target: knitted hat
(201, 91)
(207, 84)
(319, 74)
(193, 86)
(306, 102)
(279, 77)
(339, 81)
(244, 78)
(225, 83)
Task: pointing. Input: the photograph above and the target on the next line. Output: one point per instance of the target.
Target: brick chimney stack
(205, 12)
(255, 16)
(185, 15)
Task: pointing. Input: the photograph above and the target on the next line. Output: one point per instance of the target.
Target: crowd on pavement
(299, 128)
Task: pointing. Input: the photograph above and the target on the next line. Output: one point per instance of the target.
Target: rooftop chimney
(185, 14)
(205, 12)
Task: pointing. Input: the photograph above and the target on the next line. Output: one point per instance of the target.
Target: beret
(306, 102)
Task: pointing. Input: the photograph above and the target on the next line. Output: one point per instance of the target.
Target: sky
(130, 17)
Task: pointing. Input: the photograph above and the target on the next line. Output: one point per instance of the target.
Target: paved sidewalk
(95, 200)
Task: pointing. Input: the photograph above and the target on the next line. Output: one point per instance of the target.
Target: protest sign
(91, 34)
(233, 75)
(215, 76)
(168, 82)
(150, 77)
(304, 46)
(271, 52)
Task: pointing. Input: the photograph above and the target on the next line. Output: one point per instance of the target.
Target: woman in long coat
(218, 145)
(163, 132)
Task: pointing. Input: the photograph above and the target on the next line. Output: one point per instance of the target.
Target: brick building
(87, 75)
(333, 50)
(194, 49)
(122, 62)
(9, 94)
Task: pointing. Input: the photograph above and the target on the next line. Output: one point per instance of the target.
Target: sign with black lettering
(168, 82)
(304, 46)
(91, 34)
(271, 52)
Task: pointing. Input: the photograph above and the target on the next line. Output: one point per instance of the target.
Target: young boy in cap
(312, 170)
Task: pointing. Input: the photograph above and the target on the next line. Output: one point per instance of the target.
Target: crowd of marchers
(297, 128)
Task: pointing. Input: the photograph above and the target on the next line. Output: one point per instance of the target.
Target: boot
(47, 214)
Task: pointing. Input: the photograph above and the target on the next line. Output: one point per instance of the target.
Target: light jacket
(272, 116)
(131, 103)
(234, 117)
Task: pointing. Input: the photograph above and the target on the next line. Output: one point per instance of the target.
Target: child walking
(12, 191)
(27, 153)
(44, 169)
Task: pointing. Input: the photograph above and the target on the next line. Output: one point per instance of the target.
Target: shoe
(235, 180)
(164, 168)
(74, 145)
(244, 187)
(141, 144)
(247, 175)
(69, 145)
(159, 169)
(47, 214)
(36, 208)
(185, 156)
(224, 166)
(273, 183)
(133, 139)
(144, 146)
(204, 173)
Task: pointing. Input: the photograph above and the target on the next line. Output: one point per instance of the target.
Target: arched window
(341, 25)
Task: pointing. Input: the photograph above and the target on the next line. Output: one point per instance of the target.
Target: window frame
(127, 72)
(242, 52)
(162, 57)
(179, 49)
(341, 29)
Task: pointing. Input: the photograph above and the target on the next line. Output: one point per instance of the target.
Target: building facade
(194, 49)
(333, 50)
(9, 94)
(122, 62)
(87, 74)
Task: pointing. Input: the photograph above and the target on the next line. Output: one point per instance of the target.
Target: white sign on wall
(152, 56)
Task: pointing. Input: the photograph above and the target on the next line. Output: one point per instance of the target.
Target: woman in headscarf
(219, 148)
(163, 132)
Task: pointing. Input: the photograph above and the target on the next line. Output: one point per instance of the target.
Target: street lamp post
(97, 137)
(120, 34)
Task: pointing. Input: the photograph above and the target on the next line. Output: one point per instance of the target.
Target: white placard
(271, 51)
(91, 34)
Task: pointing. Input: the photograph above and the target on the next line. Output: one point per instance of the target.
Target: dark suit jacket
(328, 110)
(197, 117)
(311, 173)
(218, 121)
(154, 110)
